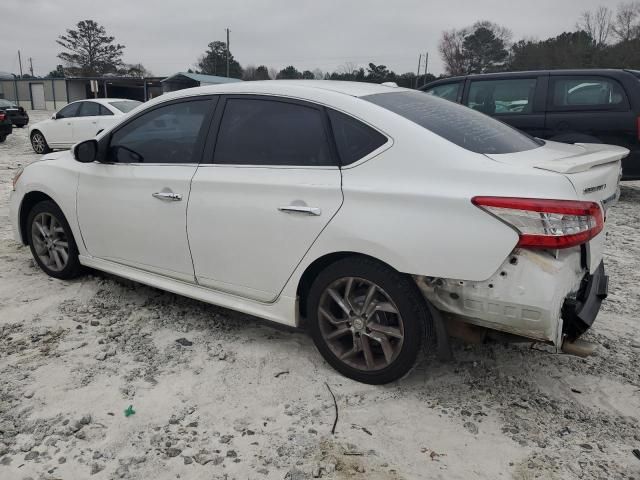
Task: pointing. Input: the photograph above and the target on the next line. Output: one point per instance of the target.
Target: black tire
(2, 138)
(39, 147)
(405, 297)
(72, 268)
(19, 126)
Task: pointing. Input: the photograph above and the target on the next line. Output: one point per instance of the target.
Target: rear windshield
(125, 106)
(5, 103)
(463, 126)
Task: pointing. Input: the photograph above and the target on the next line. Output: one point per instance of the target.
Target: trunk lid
(593, 169)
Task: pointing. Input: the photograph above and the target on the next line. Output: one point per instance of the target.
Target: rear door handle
(167, 196)
(301, 209)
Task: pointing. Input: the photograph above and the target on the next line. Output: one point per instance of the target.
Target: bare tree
(626, 23)
(317, 73)
(273, 73)
(452, 51)
(597, 24)
(249, 72)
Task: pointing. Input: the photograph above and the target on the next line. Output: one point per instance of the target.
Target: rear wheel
(51, 241)
(367, 320)
(2, 138)
(39, 143)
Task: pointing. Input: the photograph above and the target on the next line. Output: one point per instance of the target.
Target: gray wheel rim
(360, 324)
(38, 142)
(50, 241)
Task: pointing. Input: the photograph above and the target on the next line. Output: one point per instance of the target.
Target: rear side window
(89, 109)
(495, 97)
(267, 132)
(69, 111)
(587, 93)
(448, 91)
(166, 134)
(125, 106)
(463, 126)
(104, 111)
(354, 139)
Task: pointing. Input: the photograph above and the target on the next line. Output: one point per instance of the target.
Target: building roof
(199, 77)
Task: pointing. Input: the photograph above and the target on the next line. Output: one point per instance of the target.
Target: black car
(571, 106)
(16, 114)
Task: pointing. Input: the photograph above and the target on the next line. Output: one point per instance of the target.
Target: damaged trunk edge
(523, 298)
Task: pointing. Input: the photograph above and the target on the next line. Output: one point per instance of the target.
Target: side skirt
(283, 310)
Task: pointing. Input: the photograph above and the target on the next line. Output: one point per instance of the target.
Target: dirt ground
(217, 394)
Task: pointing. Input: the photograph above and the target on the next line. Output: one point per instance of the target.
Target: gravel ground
(218, 394)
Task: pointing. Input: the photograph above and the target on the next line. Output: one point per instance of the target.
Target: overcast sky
(168, 35)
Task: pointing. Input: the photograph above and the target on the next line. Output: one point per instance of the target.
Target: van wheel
(367, 320)
(51, 241)
(39, 144)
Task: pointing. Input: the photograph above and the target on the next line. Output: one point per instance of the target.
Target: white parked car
(77, 122)
(372, 213)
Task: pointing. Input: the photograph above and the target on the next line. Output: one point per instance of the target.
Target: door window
(69, 111)
(89, 109)
(268, 132)
(168, 134)
(508, 96)
(587, 93)
(448, 91)
(104, 111)
(354, 139)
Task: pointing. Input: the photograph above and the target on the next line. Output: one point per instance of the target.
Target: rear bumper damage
(540, 295)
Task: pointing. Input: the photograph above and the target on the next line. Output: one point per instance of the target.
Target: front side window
(69, 111)
(166, 134)
(494, 97)
(354, 139)
(89, 109)
(456, 123)
(448, 91)
(587, 92)
(268, 132)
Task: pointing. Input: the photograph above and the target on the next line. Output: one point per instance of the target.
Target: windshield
(125, 106)
(463, 126)
(5, 103)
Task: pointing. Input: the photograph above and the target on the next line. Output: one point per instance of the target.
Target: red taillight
(3, 116)
(545, 223)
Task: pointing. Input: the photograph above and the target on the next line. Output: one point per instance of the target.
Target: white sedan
(377, 215)
(77, 122)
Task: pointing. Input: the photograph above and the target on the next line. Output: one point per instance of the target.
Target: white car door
(132, 207)
(59, 130)
(86, 124)
(264, 196)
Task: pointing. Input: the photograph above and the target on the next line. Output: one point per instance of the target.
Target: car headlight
(16, 177)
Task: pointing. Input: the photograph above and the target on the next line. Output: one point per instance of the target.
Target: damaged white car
(378, 215)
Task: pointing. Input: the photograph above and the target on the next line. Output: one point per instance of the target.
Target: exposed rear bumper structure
(579, 312)
(534, 295)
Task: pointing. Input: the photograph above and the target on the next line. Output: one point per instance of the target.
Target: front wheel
(51, 241)
(39, 144)
(367, 320)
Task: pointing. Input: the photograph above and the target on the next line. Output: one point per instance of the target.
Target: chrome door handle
(301, 209)
(167, 196)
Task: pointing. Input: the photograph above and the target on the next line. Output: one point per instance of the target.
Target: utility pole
(418, 71)
(227, 52)
(20, 62)
(426, 63)
(31, 65)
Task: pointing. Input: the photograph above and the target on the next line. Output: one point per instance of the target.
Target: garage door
(37, 96)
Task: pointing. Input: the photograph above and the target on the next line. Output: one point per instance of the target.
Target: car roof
(283, 87)
(615, 72)
(105, 101)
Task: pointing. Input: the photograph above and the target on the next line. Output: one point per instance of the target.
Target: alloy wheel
(50, 241)
(360, 323)
(38, 143)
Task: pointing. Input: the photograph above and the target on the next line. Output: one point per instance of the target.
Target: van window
(463, 126)
(571, 93)
(508, 96)
(448, 91)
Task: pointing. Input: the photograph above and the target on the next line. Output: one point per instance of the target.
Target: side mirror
(86, 152)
